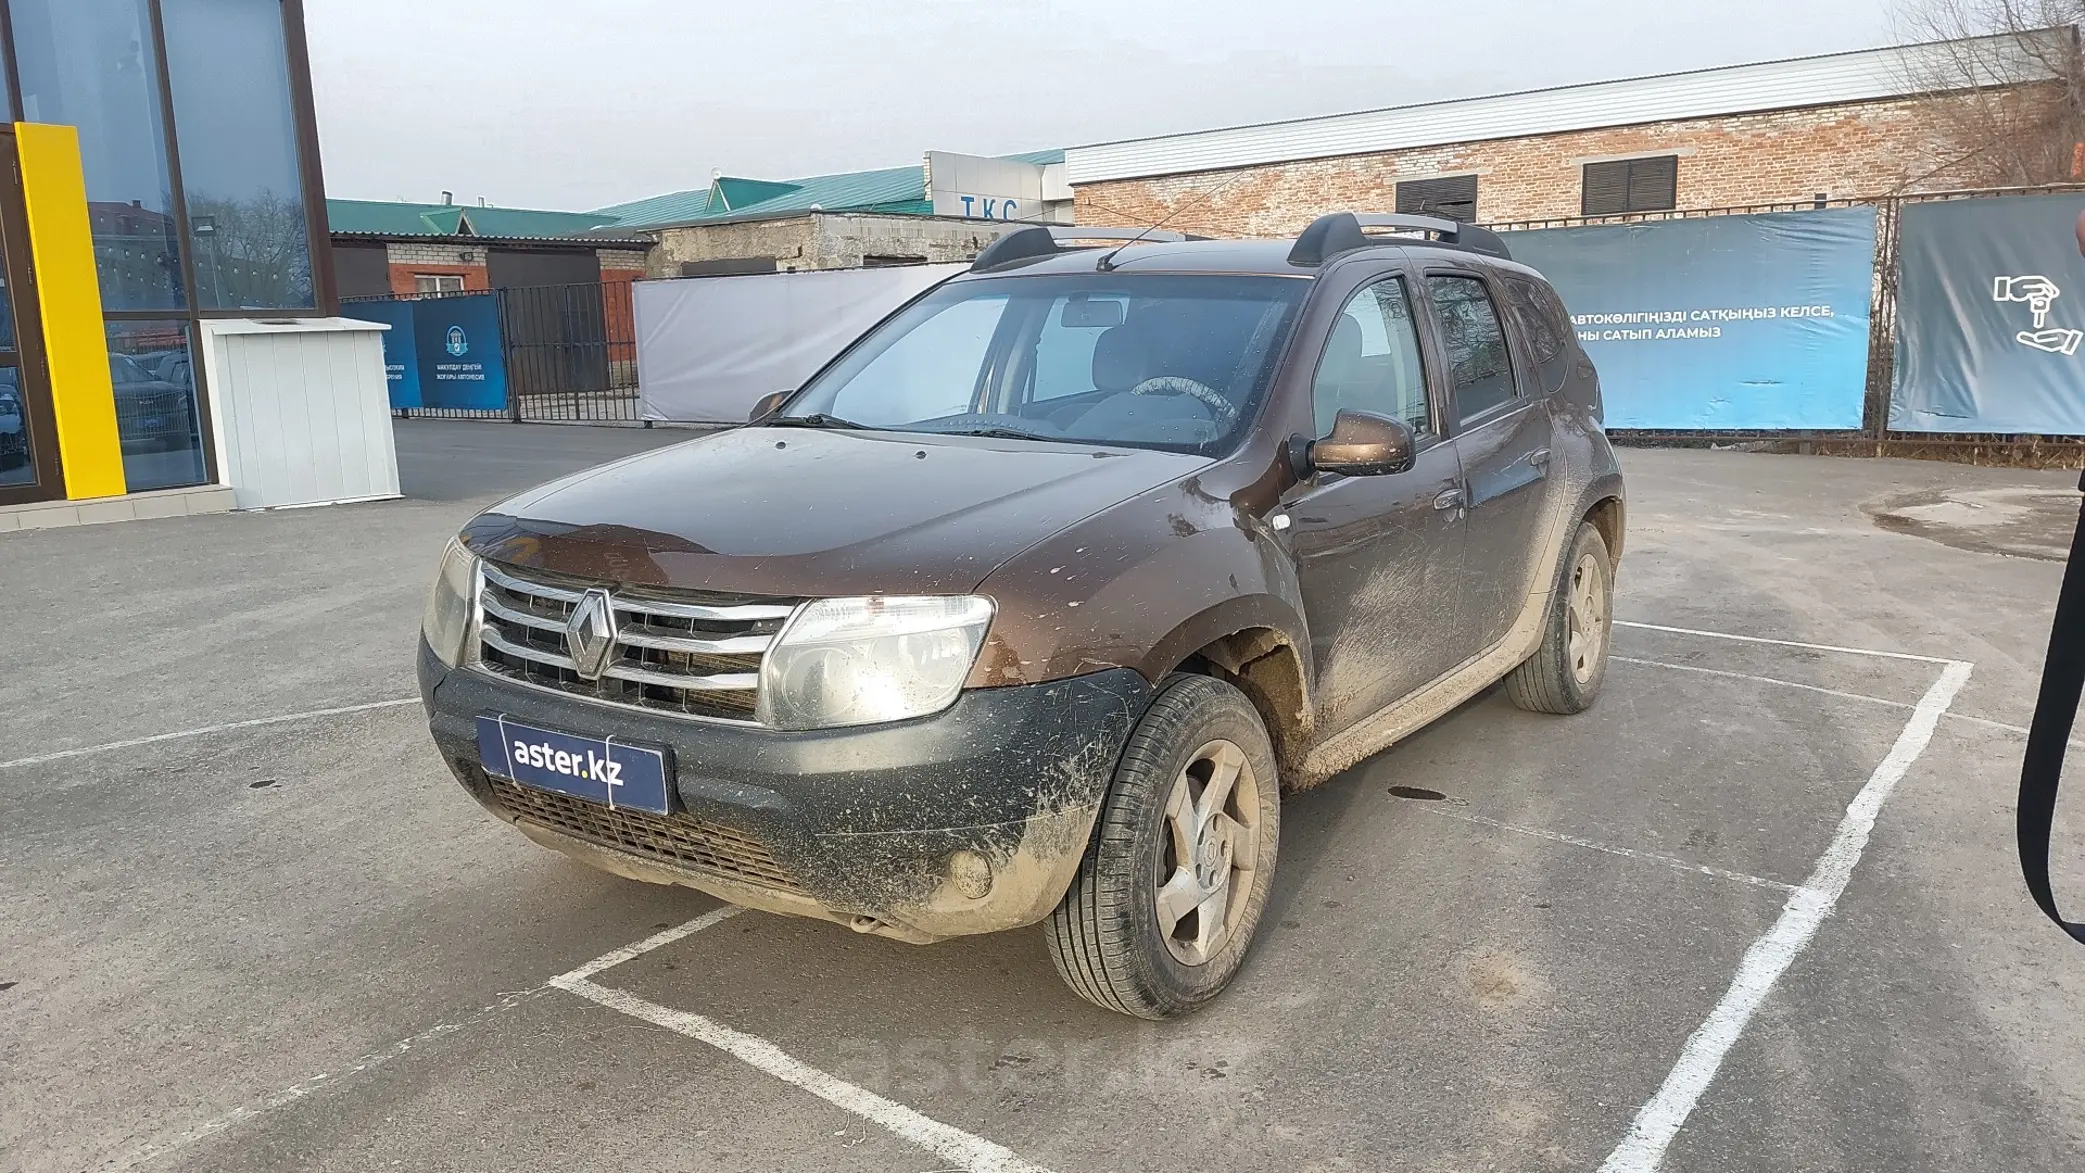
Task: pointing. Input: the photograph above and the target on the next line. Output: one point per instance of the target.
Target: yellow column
(75, 344)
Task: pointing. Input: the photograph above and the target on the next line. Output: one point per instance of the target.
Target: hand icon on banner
(2037, 291)
(2054, 341)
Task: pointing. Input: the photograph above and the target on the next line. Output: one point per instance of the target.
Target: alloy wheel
(1204, 877)
(1587, 617)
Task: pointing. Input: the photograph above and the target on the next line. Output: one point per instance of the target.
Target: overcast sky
(557, 104)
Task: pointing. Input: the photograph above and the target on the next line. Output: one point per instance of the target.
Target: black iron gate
(570, 353)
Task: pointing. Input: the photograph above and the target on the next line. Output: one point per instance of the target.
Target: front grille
(693, 655)
(682, 840)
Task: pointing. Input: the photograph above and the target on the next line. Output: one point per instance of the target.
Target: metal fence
(570, 353)
(1874, 437)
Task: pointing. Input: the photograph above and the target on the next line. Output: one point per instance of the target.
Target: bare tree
(2005, 86)
(253, 251)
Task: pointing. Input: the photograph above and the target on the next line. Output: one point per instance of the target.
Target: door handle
(1539, 458)
(1448, 499)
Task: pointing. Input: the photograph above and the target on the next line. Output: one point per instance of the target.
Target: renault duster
(1030, 605)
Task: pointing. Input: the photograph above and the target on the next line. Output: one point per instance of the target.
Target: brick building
(400, 248)
(1846, 125)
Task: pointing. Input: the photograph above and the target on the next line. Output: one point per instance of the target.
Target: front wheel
(1165, 902)
(1565, 673)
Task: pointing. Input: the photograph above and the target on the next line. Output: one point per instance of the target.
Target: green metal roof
(381, 218)
(732, 193)
(524, 222)
(894, 191)
(1038, 158)
(900, 191)
(672, 208)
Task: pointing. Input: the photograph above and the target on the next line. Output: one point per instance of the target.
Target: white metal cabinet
(302, 411)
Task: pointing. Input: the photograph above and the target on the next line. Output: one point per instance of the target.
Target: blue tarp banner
(462, 364)
(1720, 323)
(401, 352)
(1990, 314)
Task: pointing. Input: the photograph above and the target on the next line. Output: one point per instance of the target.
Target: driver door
(1379, 558)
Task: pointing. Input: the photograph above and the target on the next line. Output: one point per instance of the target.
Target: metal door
(29, 465)
(1502, 435)
(1379, 558)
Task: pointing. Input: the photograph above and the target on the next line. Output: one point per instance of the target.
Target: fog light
(971, 873)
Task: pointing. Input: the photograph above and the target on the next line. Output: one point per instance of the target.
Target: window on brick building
(1454, 198)
(438, 283)
(1622, 186)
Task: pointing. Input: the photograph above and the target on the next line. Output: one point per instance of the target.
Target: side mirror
(768, 405)
(1364, 444)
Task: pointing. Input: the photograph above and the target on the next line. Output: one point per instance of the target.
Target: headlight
(863, 661)
(447, 624)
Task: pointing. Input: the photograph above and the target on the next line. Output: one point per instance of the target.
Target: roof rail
(1339, 232)
(1047, 240)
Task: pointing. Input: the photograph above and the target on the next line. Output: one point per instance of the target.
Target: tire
(1109, 939)
(1565, 673)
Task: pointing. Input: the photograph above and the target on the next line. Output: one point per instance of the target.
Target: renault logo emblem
(590, 634)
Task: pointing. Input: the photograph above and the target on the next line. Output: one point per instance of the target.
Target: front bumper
(861, 826)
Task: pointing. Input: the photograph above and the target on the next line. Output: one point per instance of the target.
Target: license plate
(597, 769)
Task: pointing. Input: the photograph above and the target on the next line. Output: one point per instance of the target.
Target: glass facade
(156, 417)
(17, 462)
(91, 64)
(199, 153)
(229, 70)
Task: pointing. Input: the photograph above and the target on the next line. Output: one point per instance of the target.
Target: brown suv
(1030, 605)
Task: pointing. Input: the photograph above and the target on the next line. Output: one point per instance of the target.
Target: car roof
(1269, 257)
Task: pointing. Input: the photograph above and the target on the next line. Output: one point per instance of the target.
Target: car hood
(804, 512)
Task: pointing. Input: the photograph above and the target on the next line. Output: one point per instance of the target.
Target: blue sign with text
(1723, 322)
(976, 207)
(401, 350)
(461, 361)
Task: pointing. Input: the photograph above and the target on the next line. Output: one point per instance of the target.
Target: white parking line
(298, 1091)
(375, 1059)
(971, 1153)
(1747, 676)
(1659, 1120)
(1670, 861)
(1965, 718)
(657, 940)
(1786, 643)
(255, 723)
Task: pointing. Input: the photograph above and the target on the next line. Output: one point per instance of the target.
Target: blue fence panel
(462, 362)
(1990, 314)
(1722, 323)
(401, 352)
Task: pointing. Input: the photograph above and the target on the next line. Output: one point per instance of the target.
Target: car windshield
(1174, 361)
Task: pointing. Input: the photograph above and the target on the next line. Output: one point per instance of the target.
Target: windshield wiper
(816, 419)
(996, 434)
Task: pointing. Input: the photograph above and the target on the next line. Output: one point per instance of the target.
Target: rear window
(1542, 321)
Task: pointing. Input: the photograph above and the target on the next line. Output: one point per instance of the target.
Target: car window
(125, 369)
(1064, 349)
(1177, 361)
(1371, 360)
(1547, 333)
(932, 370)
(1476, 345)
